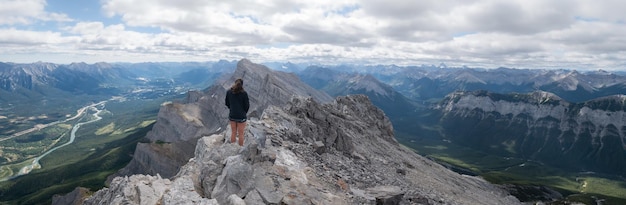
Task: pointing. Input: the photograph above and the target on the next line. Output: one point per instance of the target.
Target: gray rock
(208, 177)
(164, 159)
(253, 198)
(386, 195)
(182, 191)
(233, 199)
(136, 189)
(210, 155)
(77, 196)
(178, 122)
(258, 135)
(236, 178)
(267, 188)
(319, 148)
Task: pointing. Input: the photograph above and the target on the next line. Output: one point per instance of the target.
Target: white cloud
(491, 33)
(605, 10)
(245, 22)
(14, 12)
(517, 17)
(20, 38)
(20, 12)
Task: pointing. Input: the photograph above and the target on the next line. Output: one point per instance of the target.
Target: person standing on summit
(238, 103)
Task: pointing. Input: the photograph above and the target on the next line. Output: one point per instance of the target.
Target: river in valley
(96, 108)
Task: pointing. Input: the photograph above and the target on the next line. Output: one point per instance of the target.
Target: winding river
(35, 163)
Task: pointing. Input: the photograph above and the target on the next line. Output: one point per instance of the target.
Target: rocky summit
(301, 148)
(305, 152)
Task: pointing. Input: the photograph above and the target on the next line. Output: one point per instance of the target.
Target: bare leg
(241, 126)
(233, 131)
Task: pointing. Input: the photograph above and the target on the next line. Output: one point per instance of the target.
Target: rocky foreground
(342, 152)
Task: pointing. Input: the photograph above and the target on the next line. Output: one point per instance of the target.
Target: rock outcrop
(76, 197)
(281, 163)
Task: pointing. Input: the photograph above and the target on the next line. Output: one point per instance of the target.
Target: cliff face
(542, 127)
(180, 124)
(305, 152)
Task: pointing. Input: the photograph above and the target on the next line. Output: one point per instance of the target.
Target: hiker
(238, 103)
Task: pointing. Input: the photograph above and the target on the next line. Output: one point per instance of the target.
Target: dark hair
(238, 86)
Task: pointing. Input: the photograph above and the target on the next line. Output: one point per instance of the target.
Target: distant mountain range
(432, 83)
(23, 84)
(421, 83)
(418, 83)
(76, 78)
(82, 77)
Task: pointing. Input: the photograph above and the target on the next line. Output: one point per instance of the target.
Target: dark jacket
(238, 103)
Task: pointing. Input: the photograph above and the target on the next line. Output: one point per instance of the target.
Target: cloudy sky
(578, 34)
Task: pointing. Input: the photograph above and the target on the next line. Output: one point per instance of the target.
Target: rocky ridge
(538, 104)
(541, 126)
(305, 152)
(180, 124)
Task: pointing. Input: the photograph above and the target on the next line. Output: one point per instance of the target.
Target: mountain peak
(467, 77)
(442, 65)
(264, 82)
(543, 96)
(369, 83)
(613, 103)
(244, 62)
